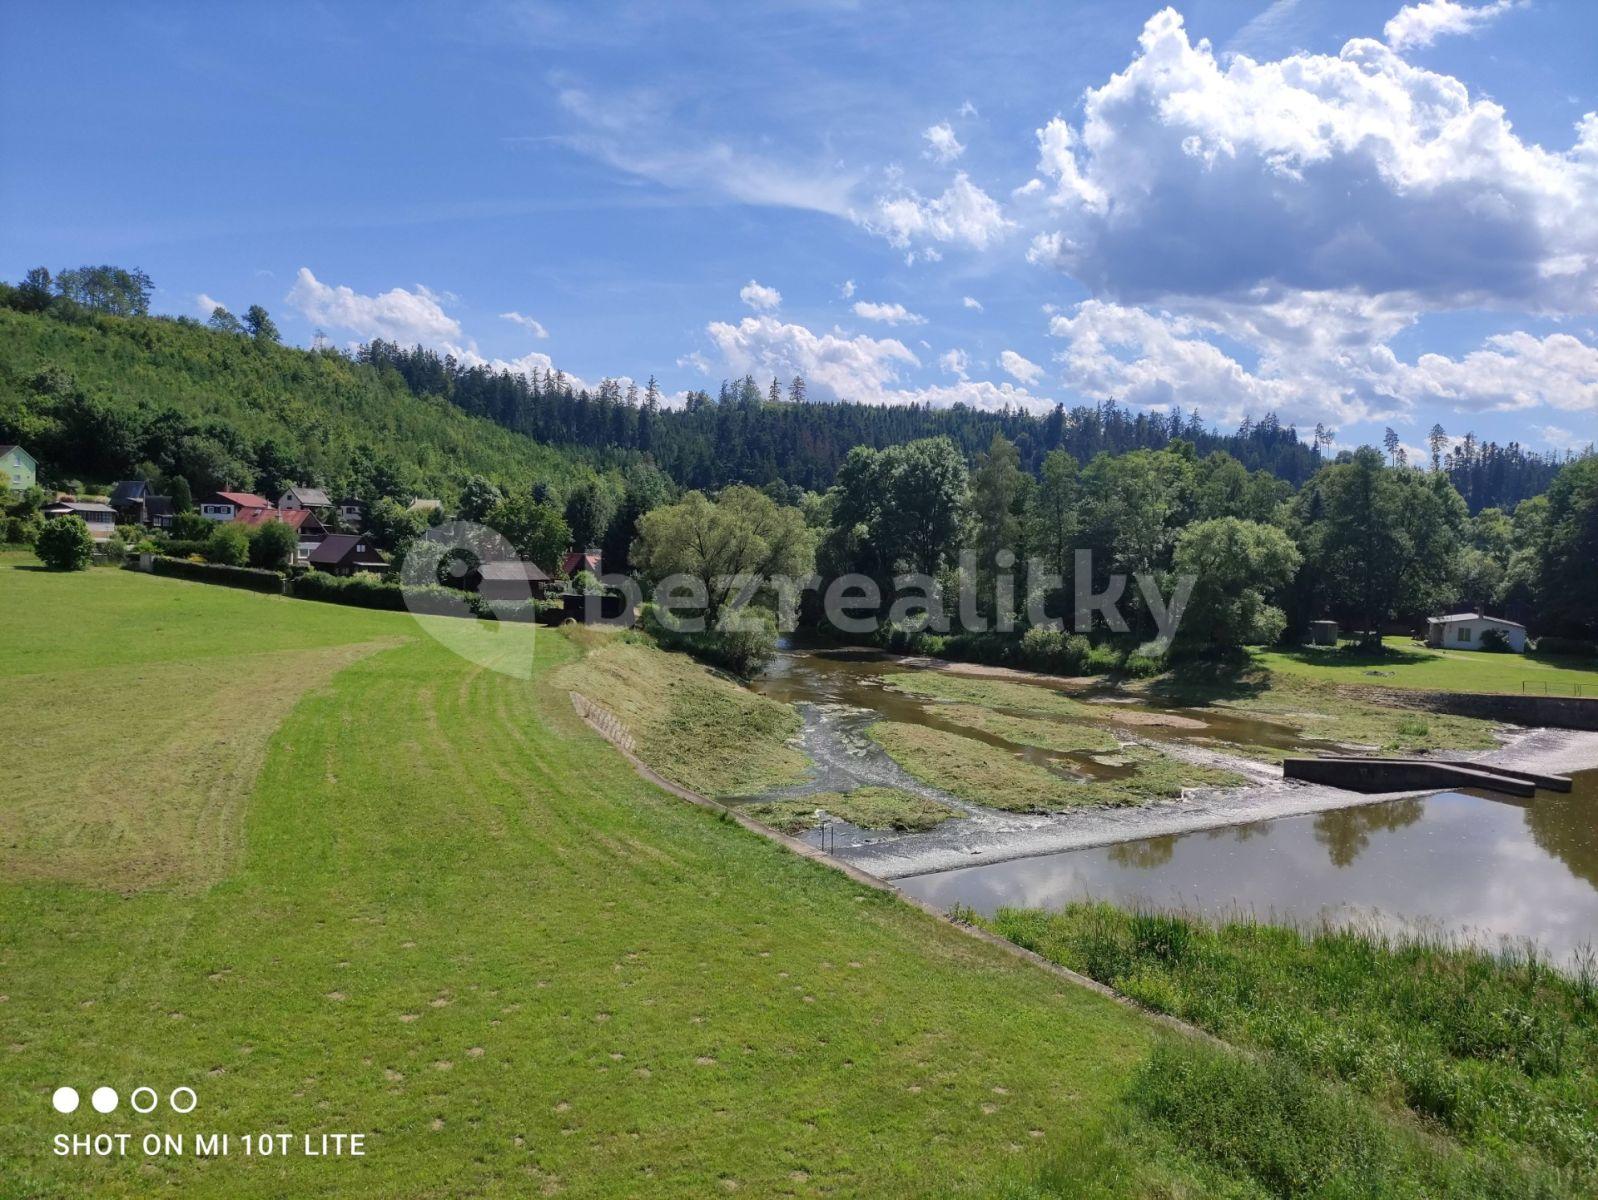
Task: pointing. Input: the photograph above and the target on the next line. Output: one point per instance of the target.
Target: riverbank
(1493, 1052)
(974, 842)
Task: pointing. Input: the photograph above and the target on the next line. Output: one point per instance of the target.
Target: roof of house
(4, 450)
(158, 506)
(420, 505)
(582, 560)
(336, 547)
(243, 499)
(1471, 616)
(512, 569)
(352, 502)
(78, 506)
(128, 490)
(294, 518)
(309, 496)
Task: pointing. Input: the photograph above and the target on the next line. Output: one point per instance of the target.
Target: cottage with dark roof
(509, 581)
(345, 554)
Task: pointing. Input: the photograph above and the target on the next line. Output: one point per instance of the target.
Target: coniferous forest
(746, 434)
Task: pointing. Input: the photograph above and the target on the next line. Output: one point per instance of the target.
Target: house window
(1464, 633)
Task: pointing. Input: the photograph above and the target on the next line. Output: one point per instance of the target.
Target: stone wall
(1558, 712)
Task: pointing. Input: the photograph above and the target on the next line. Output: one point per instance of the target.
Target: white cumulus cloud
(1422, 24)
(397, 315)
(532, 326)
(760, 297)
(206, 305)
(963, 214)
(971, 302)
(889, 314)
(861, 369)
(1356, 171)
(942, 145)
(956, 362)
(1017, 367)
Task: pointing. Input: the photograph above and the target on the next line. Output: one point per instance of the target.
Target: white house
(226, 506)
(1463, 631)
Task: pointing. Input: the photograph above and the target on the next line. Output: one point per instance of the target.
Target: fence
(1540, 687)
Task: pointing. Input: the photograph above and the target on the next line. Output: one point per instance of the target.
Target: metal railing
(1540, 687)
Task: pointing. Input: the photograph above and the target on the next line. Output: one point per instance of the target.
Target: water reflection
(1346, 831)
(1454, 863)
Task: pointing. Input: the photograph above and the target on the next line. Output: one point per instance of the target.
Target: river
(1475, 866)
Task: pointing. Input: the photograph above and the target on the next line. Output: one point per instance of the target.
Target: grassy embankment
(1495, 1053)
(427, 903)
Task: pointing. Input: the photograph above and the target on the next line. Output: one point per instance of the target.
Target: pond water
(1453, 863)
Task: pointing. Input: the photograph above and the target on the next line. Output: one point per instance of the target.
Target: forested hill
(746, 435)
(97, 397)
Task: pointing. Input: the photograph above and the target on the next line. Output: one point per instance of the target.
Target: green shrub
(64, 544)
(362, 591)
(744, 653)
(272, 545)
(23, 531)
(113, 552)
(229, 576)
(1142, 666)
(1494, 641)
(228, 546)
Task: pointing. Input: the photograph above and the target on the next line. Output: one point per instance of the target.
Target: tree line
(746, 434)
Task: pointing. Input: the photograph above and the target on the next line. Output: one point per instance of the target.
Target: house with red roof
(309, 530)
(226, 506)
(583, 560)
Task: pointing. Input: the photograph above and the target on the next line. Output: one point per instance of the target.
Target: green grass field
(440, 911)
(1403, 664)
(308, 862)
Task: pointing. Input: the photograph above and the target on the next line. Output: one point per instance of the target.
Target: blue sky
(1343, 212)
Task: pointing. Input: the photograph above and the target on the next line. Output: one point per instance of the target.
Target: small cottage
(297, 498)
(100, 518)
(351, 512)
(158, 512)
(1463, 631)
(510, 581)
(345, 554)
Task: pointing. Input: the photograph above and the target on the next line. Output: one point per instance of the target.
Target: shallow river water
(1457, 864)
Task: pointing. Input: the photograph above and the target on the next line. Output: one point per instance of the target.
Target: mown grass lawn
(448, 916)
(1403, 664)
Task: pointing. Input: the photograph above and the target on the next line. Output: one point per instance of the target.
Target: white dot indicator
(149, 1101)
(65, 1099)
(104, 1099)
